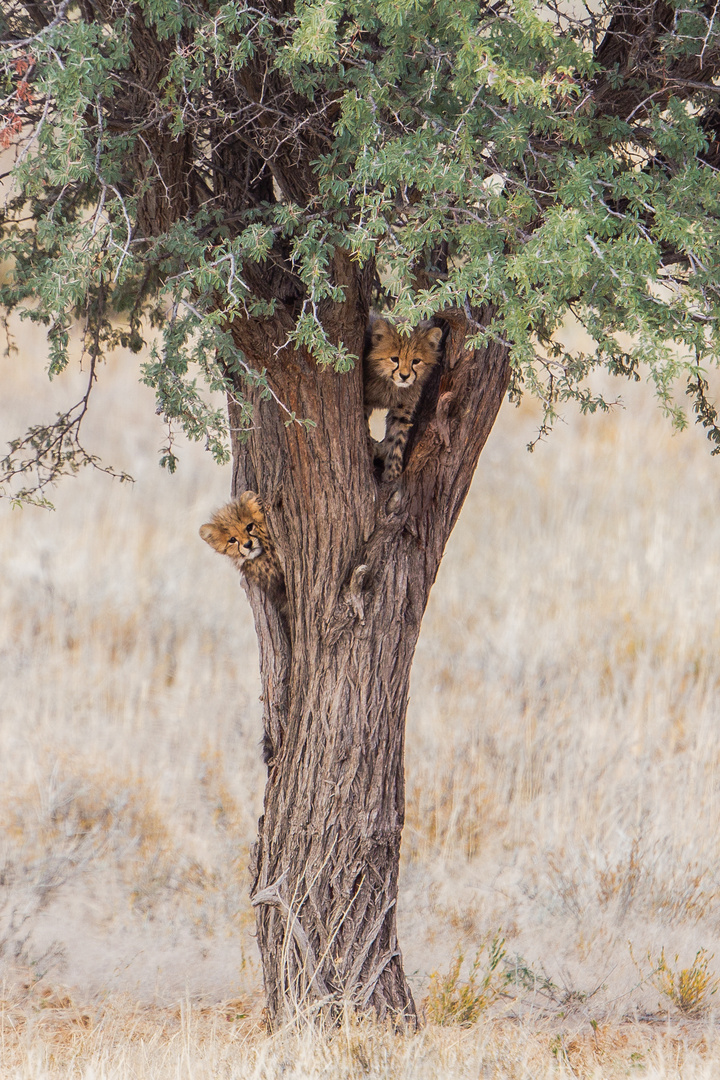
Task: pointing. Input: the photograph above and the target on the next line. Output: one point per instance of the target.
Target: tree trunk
(360, 559)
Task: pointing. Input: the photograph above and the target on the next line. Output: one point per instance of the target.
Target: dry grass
(53, 1037)
(563, 763)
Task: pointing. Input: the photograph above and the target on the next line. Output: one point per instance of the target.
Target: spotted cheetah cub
(239, 531)
(395, 369)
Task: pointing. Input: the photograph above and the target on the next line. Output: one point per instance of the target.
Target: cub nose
(404, 377)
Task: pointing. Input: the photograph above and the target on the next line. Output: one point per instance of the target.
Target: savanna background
(559, 907)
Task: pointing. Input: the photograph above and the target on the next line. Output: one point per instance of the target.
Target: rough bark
(360, 559)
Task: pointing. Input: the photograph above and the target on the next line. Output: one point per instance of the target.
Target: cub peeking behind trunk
(239, 530)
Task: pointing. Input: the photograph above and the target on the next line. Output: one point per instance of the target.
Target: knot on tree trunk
(355, 591)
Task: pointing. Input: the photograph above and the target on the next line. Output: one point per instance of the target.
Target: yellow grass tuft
(689, 989)
(453, 1000)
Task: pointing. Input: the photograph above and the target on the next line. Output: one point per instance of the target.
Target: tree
(244, 181)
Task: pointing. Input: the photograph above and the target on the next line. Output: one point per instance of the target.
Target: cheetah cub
(239, 531)
(395, 369)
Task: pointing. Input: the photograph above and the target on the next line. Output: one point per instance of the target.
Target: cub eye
(395, 359)
(416, 360)
(250, 528)
(233, 540)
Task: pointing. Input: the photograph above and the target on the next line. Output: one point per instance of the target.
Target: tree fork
(360, 560)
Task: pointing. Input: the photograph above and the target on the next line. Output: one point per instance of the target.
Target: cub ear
(379, 329)
(210, 534)
(435, 336)
(251, 501)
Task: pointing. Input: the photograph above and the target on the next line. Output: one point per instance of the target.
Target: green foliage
(474, 155)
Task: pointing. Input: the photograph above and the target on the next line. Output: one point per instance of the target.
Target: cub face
(403, 361)
(238, 530)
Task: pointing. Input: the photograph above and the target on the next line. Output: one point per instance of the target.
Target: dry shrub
(74, 823)
(687, 894)
(683, 893)
(77, 811)
(451, 806)
(619, 881)
(227, 815)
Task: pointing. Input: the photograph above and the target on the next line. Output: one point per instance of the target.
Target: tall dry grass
(130, 1043)
(563, 760)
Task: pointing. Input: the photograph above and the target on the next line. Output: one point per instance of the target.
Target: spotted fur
(239, 530)
(395, 371)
